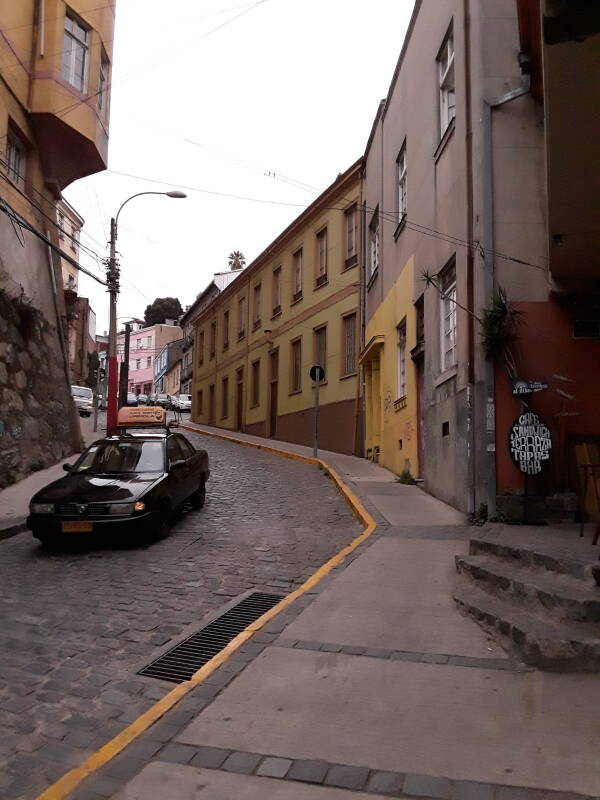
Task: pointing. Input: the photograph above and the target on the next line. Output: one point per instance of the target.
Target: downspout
(359, 418)
(487, 222)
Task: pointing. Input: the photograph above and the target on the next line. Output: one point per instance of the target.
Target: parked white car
(182, 402)
(84, 400)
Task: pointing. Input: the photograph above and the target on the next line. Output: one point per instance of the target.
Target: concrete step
(543, 643)
(566, 558)
(560, 595)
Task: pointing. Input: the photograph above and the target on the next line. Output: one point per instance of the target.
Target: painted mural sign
(530, 443)
(528, 387)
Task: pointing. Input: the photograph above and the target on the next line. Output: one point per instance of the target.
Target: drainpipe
(487, 223)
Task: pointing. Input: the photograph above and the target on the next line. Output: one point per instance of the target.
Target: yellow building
(392, 427)
(54, 110)
(173, 379)
(296, 305)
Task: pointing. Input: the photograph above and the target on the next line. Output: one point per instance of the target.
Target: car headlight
(121, 508)
(41, 508)
(139, 506)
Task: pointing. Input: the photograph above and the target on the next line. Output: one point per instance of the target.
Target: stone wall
(36, 410)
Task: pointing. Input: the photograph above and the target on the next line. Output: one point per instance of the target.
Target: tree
(161, 309)
(237, 260)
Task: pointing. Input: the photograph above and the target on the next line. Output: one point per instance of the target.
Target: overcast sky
(271, 106)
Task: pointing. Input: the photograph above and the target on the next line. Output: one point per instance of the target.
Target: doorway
(273, 383)
(211, 404)
(239, 399)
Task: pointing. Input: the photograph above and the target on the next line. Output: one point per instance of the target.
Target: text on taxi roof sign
(141, 416)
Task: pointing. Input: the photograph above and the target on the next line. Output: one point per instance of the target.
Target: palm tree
(237, 260)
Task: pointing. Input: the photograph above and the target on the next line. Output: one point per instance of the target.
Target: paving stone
(386, 783)
(399, 655)
(143, 748)
(347, 777)
(177, 753)
(377, 652)
(434, 658)
(350, 650)
(308, 770)
(273, 767)
(469, 790)
(245, 763)
(162, 731)
(428, 786)
(210, 757)
(523, 793)
(331, 648)
(124, 767)
(102, 784)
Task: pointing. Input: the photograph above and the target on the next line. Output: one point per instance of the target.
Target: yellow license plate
(77, 527)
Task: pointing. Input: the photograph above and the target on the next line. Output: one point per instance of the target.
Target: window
(320, 347)
(75, 53)
(276, 291)
(401, 176)
(138, 363)
(201, 348)
(173, 450)
(16, 159)
(321, 257)
(350, 228)
(224, 398)
(186, 448)
(74, 240)
(199, 402)
(255, 383)
(296, 365)
(445, 61)
(401, 345)
(149, 361)
(448, 318)
(61, 225)
(148, 341)
(103, 84)
(213, 339)
(225, 329)
(138, 344)
(256, 309)
(241, 317)
(374, 244)
(297, 275)
(349, 342)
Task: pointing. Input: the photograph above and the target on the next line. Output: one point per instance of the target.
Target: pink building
(144, 346)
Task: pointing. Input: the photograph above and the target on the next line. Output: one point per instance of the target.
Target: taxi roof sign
(141, 417)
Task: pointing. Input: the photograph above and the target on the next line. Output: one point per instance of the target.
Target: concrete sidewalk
(14, 500)
(373, 685)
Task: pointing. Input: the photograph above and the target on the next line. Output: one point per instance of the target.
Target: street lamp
(112, 281)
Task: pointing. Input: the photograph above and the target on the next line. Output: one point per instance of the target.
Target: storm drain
(183, 660)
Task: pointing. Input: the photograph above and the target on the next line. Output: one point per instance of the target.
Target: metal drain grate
(183, 660)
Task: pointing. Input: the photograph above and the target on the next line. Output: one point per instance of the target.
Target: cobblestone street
(77, 625)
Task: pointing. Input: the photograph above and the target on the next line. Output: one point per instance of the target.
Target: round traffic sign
(317, 373)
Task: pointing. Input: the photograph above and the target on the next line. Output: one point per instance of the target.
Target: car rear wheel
(198, 498)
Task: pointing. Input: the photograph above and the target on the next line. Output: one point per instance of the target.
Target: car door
(192, 478)
(178, 474)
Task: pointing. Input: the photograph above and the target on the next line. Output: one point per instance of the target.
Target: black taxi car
(130, 483)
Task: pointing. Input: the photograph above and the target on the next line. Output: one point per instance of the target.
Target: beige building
(296, 305)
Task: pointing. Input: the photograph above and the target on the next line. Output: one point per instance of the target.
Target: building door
(211, 404)
(419, 370)
(273, 383)
(239, 399)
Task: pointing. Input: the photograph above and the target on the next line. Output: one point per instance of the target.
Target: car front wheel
(198, 498)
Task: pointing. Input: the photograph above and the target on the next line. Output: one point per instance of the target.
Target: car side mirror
(177, 464)
(68, 467)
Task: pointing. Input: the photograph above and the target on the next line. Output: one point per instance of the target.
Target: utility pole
(124, 376)
(112, 281)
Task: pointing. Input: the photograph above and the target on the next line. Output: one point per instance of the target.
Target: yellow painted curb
(65, 785)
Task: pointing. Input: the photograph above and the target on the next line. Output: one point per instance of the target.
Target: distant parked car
(142, 399)
(162, 400)
(182, 402)
(84, 400)
(132, 399)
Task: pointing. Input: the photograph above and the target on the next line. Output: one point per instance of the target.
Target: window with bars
(75, 53)
(224, 398)
(225, 329)
(320, 347)
(321, 257)
(241, 317)
(401, 177)
(448, 317)
(350, 230)
(296, 365)
(374, 244)
(213, 339)
(349, 343)
(256, 307)
(16, 159)
(401, 348)
(445, 62)
(297, 275)
(201, 348)
(276, 304)
(255, 383)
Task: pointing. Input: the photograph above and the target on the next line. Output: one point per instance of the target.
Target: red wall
(546, 348)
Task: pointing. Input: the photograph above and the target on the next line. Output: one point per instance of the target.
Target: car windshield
(186, 397)
(109, 458)
(80, 391)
